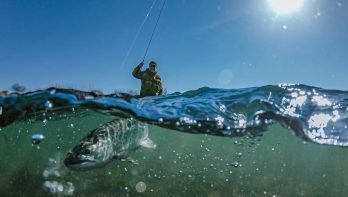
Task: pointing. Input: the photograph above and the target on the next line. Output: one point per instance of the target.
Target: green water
(276, 164)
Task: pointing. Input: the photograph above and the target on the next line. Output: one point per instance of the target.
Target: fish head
(93, 151)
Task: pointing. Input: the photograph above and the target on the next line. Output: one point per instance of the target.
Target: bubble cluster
(56, 187)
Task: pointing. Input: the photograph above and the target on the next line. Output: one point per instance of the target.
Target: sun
(285, 6)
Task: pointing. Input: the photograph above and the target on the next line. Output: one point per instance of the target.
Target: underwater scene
(286, 140)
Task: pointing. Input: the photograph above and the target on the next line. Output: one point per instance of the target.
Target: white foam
(321, 101)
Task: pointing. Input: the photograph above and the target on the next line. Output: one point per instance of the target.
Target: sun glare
(285, 6)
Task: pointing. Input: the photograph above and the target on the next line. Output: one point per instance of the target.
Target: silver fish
(112, 140)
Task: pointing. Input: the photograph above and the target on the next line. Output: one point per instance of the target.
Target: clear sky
(217, 43)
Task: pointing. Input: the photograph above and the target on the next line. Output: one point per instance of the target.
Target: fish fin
(148, 143)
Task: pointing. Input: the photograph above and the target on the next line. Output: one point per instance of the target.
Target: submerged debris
(37, 138)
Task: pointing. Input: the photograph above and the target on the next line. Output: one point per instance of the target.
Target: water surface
(263, 141)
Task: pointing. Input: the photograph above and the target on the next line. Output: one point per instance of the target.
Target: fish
(112, 140)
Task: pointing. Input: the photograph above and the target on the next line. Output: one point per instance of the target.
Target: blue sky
(221, 43)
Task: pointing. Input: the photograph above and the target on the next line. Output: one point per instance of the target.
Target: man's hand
(141, 64)
(137, 70)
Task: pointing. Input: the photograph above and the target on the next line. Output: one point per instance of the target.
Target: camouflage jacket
(151, 84)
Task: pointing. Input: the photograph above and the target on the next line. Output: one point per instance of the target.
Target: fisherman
(151, 84)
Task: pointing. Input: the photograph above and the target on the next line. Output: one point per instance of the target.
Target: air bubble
(235, 164)
(48, 105)
(140, 187)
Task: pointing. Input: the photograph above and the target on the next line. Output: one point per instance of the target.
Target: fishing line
(154, 29)
(137, 34)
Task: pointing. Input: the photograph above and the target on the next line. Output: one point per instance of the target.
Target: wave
(314, 114)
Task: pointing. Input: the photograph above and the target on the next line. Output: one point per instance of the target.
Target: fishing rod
(153, 31)
(138, 33)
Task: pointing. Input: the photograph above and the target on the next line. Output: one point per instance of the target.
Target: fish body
(113, 140)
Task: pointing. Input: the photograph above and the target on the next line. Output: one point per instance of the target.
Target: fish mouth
(73, 162)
